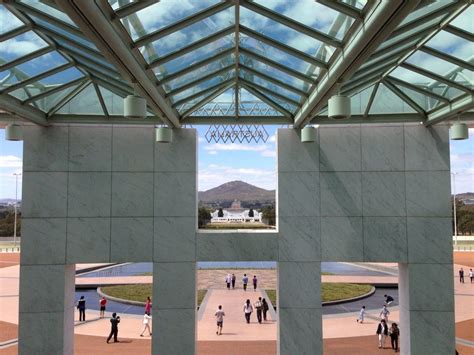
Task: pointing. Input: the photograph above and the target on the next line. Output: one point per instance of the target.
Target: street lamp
(16, 203)
(454, 207)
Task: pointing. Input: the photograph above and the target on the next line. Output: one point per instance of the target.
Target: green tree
(220, 213)
(7, 221)
(251, 214)
(268, 214)
(204, 216)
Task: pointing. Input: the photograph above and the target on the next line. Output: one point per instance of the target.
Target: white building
(236, 214)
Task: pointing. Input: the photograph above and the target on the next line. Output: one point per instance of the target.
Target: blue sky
(252, 163)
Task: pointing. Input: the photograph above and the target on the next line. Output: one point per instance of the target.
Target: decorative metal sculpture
(236, 133)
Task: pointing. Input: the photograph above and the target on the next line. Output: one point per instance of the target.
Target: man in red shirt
(102, 303)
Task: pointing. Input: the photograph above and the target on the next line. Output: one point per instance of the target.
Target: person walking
(382, 332)
(233, 281)
(388, 299)
(245, 281)
(259, 307)
(471, 275)
(148, 305)
(114, 321)
(248, 309)
(265, 309)
(461, 275)
(102, 304)
(394, 333)
(146, 324)
(228, 280)
(81, 306)
(220, 319)
(254, 281)
(361, 315)
(384, 313)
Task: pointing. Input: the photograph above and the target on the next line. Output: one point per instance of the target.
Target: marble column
(174, 251)
(299, 267)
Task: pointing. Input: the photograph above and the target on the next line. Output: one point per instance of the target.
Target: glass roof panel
(8, 21)
(425, 102)
(86, 102)
(73, 50)
(195, 56)
(303, 11)
(244, 74)
(203, 86)
(222, 105)
(381, 55)
(49, 10)
(360, 100)
(453, 45)
(386, 101)
(359, 4)
(465, 77)
(286, 105)
(285, 35)
(200, 72)
(465, 20)
(420, 12)
(161, 14)
(273, 72)
(250, 105)
(113, 102)
(25, 93)
(190, 34)
(47, 103)
(187, 105)
(282, 57)
(20, 46)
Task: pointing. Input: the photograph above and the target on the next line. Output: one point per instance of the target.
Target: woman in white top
(248, 309)
(146, 324)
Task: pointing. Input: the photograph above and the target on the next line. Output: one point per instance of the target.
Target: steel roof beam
(54, 90)
(101, 100)
(283, 47)
(404, 97)
(133, 7)
(371, 99)
(286, 21)
(242, 120)
(67, 98)
(376, 118)
(447, 57)
(15, 107)
(268, 91)
(187, 21)
(15, 32)
(416, 88)
(376, 27)
(460, 32)
(456, 107)
(268, 101)
(210, 89)
(342, 7)
(95, 24)
(206, 100)
(25, 58)
(97, 119)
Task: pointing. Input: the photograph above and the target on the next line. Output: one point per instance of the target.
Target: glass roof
(222, 58)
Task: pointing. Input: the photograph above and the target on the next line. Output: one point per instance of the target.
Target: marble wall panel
(341, 239)
(385, 239)
(44, 194)
(178, 156)
(299, 239)
(341, 194)
(90, 148)
(426, 148)
(174, 285)
(89, 194)
(174, 331)
(132, 194)
(246, 246)
(300, 331)
(53, 155)
(295, 156)
(432, 333)
(41, 333)
(429, 240)
(299, 285)
(46, 241)
(298, 194)
(428, 194)
(88, 240)
(175, 194)
(131, 239)
(340, 148)
(383, 194)
(383, 148)
(132, 148)
(174, 239)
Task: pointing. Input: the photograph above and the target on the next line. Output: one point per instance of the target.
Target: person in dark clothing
(81, 306)
(394, 333)
(388, 300)
(259, 307)
(461, 275)
(382, 332)
(254, 281)
(265, 309)
(115, 320)
(233, 280)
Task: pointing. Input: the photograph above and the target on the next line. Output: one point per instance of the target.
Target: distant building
(236, 214)
(468, 201)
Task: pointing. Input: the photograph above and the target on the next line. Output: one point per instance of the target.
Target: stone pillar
(174, 251)
(46, 320)
(299, 267)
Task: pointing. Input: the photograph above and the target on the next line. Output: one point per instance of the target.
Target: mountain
(236, 190)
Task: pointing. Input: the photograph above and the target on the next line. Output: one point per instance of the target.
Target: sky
(223, 162)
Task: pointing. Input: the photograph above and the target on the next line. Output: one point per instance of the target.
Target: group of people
(383, 329)
(115, 320)
(230, 280)
(461, 275)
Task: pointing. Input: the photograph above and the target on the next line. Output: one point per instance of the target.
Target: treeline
(268, 215)
(464, 218)
(7, 221)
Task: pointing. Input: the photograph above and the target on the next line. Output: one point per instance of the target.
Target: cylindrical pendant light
(134, 107)
(339, 107)
(164, 135)
(459, 131)
(13, 132)
(308, 134)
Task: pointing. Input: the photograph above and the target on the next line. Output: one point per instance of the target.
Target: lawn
(139, 292)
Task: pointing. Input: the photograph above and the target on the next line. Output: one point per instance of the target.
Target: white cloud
(236, 147)
(22, 45)
(10, 161)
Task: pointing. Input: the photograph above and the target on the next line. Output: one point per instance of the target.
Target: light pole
(16, 203)
(454, 208)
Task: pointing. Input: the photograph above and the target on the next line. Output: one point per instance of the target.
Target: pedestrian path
(235, 327)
